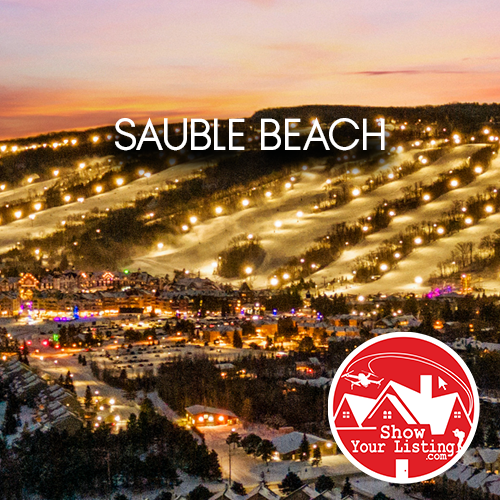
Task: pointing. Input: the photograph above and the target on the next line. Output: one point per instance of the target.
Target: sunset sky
(72, 64)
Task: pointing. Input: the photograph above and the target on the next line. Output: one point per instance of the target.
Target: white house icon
(414, 407)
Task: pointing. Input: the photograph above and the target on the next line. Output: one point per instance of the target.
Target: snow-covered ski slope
(197, 250)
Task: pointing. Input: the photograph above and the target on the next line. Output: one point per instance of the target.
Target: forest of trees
(261, 397)
(147, 454)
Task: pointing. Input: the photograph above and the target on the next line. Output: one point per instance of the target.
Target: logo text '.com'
(403, 407)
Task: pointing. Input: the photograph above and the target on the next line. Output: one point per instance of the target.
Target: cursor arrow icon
(441, 384)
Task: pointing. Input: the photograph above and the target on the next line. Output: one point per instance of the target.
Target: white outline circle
(381, 338)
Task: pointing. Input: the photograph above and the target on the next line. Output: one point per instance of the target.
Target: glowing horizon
(69, 65)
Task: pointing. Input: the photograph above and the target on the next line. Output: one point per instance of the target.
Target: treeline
(462, 117)
(260, 396)
(146, 455)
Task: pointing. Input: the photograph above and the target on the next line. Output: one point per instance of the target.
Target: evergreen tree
(251, 443)
(68, 382)
(290, 483)
(478, 439)
(492, 437)
(265, 450)
(237, 342)
(238, 488)
(304, 449)
(233, 438)
(10, 421)
(199, 493)
(246, 413)
(324, 483)
(132, 422)
(88, 398)
(347, 489)
(316, 456)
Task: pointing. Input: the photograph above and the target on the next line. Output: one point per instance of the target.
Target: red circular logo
(403, 407)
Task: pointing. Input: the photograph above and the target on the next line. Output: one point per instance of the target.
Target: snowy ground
(248, 470)
(47, 221)
(198, 249)
(428, 257)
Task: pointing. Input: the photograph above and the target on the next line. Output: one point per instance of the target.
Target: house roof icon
(415, 407)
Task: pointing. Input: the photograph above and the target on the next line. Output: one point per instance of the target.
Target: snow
(248, 470)
(47, 221)
(291, 441)
(370, 487)
(199, 248)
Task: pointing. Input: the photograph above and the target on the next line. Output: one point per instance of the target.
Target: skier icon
(460, 435)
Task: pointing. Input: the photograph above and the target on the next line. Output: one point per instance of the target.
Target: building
(287, 446)
(206, 415)
(10, 303)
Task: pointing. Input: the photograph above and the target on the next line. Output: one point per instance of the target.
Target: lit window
(457, 414)
(346, 414)
(387, 415)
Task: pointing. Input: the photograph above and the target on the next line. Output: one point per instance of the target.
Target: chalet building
(199, 415)
(288, 445)
(227, 494)
(266, 327)
(405, 322)
(262, 492)
(309, 368)
(8, 284)
(487, 459)
(484, 481)
(347, 320)
(342, 331)
(10, 304)
(27, 285)
(53, 406)
(305, 492)
(224, 332)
